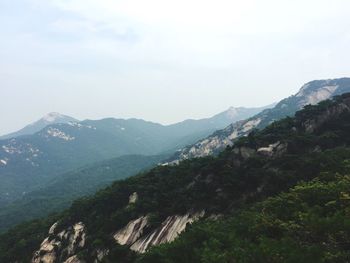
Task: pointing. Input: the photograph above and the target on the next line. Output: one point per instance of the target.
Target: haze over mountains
(118, 143)
(44, 167)
(311, 93)
(280, 194)
(33, 160)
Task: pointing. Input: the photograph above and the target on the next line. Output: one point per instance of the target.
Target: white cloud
(199, 32)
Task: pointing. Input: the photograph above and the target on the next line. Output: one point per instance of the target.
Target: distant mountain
(311, 93)
(32, 161)
(231, 115)
(51, 118)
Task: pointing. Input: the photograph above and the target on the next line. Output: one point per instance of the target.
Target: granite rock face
(132, 232)
(63, 246)
(171, 228)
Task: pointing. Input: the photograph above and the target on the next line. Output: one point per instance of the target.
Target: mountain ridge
(134, 220)
(310, 93)
(31, 161)
(233, 114)
(48, 119)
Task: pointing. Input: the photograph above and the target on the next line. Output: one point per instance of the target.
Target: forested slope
(279, 195)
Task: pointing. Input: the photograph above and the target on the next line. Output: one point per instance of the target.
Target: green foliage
(309, 223)
(291, 207)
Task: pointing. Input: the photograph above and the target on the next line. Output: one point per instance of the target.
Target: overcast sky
(162, 60)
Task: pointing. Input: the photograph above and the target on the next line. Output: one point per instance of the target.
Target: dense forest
(278, 195)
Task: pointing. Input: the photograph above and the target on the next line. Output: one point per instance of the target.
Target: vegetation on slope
(308, 220)
(309, 223)
(60, 194)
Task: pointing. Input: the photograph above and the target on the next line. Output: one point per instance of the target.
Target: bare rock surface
(63, 246)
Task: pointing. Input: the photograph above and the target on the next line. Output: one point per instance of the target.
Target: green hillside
(279, 195)
(60, 193)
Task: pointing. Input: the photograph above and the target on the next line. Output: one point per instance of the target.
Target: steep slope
(311, 93)
(309, 223)
(60, 193)
(32, 161)
(51, 118)
(127, 220)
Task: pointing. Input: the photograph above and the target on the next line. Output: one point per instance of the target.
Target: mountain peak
(53, 116)
(50, 118)
(232, 112)
(240, 113)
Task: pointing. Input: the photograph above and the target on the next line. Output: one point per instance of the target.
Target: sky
(160, 60)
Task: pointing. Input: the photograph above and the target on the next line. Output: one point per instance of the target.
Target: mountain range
(33, 160)
(45, 176)
(280, 194)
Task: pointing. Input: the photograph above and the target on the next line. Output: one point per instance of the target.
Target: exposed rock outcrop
(218, 141)
(310, 96)
(273, 150)
(134, 229)
(133, 198)
(132, 234)
(53, 228)
(64, 246)
(61, 247)
(167, 232)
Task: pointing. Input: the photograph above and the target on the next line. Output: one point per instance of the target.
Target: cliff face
(170, 229)
(63, 246)
(311, 93)
(132, 231)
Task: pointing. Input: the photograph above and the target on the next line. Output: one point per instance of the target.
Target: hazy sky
(163, 60)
